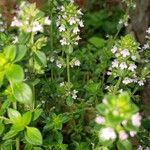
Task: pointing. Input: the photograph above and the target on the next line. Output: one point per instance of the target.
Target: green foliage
(52, 89)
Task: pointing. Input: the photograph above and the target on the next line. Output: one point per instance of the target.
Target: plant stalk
(17, 139)
(68, 68)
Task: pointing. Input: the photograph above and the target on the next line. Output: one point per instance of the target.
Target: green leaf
(28, 147)
(22, 92)
(18, 126)
(14, 73)
(4, 107)
(2, 127)
(2, 73)
(6, 145)
(13, 115)
(37, 113)
(96, 41)
(26, 118)
(37, 148)
(10, 52)
(69, 101)
(101, 108)
(124, 145)
(41, 58)
(33, 136)
(10, 134)
(21, 52)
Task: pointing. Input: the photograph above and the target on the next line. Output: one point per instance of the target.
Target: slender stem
(5, 119)
(33, 103)
(17, 144)
(117, 85)
(68, 68)
(17, 139)
(51, 32)
(14, 105)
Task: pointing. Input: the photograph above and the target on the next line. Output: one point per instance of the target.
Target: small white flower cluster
(72, 93)
(3, 25)
(147, 45)
(124, 61)
(108, 133)
(68, 24)
(75, 62)
(142, 148)
(124, 20)
(29, 19)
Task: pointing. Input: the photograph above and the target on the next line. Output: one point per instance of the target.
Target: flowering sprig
(68, 22)
(125, 64)
(118, 119)
(3, 25)
(67, 92)
(29, 19)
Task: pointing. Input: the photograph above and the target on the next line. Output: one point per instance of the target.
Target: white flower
(141, 83)
(47, 21)
(16, 22)
(123, 135)
(62, 28)
(71, 1)
(61, 84)
(109, 73)
(104, 101)
(72, 21)
(107, 134)
(125, 53)
(145, 46)
(63, 41)
(127, 81)
(115, 64)
(78, 38)
(114, 49)
(81, 23)
(126, 24)
(99, 119)
(62, 8)
(136, 119)
(132, 133)
(76, 30)
(120, 21)
(117, 54)
(57, 23)
(77, 63)
(140, 147)
(79, 12)
(58, 64)
(74, 94)
(15, 40)
(132, 67)
(124, 122)
(52, 59)
(148, 30)
(133, 57)
(123, 66)
(37, 27)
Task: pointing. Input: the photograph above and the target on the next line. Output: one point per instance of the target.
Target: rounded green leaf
(15, 73)
(10, 52)
(13, 114)
(22, 92)
(33, 136)
(41, 58)
(26, 118)
(10, 134)
(21, 52)
(124, 145)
